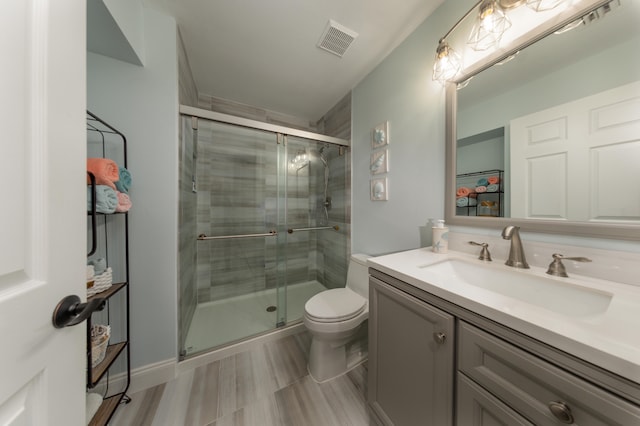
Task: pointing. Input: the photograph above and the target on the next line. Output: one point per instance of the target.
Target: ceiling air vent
(336, 38)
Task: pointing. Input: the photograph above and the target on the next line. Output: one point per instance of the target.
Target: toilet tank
(358, 275)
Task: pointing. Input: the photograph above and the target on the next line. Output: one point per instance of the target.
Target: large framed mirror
(547, 137)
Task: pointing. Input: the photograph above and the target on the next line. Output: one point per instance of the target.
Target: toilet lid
(338, 304)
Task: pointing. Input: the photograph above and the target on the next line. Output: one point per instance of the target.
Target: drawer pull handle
(561, 411)
(439, 337)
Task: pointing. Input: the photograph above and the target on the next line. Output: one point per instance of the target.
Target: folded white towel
(90, 272)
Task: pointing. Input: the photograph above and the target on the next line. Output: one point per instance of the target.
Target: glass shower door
(316, 222)
(237, 188)
(263, 227)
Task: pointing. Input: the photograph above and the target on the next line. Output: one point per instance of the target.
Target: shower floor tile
(224, 321)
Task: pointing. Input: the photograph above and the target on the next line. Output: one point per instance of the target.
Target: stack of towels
(99, 275)
(465, 197)
(112, 186)
(490, 184)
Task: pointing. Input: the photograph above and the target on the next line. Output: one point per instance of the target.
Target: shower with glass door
(264, 226)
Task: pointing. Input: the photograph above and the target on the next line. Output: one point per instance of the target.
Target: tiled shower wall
(238, 194)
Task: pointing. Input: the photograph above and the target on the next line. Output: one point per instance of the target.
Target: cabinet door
(411, 359)
(477, 407)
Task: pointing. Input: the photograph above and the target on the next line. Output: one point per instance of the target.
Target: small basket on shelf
(99, 341)
(101, 282)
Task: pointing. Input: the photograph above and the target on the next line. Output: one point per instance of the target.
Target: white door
(578, 161)
(43, 217)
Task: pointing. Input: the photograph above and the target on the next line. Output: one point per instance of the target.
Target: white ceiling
(263, 52)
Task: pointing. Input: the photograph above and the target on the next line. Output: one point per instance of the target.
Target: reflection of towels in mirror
(481, 189)
(492, 180)
(492, 188)
(466, 202)
(463, 191)
(482, 182)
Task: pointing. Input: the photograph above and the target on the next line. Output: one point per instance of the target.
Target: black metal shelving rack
(97, 375)
(462, 179)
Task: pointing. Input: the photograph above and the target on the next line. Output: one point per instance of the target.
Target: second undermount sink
(567, 298)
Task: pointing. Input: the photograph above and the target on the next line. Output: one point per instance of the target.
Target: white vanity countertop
(610, 339)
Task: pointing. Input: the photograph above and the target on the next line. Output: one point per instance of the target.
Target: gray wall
(142, 102)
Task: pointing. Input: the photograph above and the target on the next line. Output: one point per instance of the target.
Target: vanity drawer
(534, 387)
(477, 407)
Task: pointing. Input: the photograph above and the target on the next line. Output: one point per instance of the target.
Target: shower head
(322, 157)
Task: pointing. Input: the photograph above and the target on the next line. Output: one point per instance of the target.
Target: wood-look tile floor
(266, 386)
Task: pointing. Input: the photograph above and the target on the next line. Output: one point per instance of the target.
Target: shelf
(106, 410)
(108, 292)
(109, 240)
(112, 353)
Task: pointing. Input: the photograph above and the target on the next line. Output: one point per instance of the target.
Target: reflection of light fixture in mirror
(573, 25)
(490, 25)
(508, 58)
(590, 17)
(448, 63)
(464, 83)
(542, 5)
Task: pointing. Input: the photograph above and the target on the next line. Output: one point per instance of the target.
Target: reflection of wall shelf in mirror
(475, 199)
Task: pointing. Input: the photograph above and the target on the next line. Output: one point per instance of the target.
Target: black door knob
(71, 311)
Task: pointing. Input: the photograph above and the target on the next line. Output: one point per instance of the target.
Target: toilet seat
(335, 305)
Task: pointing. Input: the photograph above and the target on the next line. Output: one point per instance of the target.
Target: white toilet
(336, 320)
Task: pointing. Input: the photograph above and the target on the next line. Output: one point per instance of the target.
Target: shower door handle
(271, 233)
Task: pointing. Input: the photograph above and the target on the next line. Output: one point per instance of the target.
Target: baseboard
(145, 377)
(155, 374)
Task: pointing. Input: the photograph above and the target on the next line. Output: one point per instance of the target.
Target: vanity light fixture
(447, 64)
(491, 23)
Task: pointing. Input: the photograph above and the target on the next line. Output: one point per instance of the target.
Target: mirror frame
(610, 230)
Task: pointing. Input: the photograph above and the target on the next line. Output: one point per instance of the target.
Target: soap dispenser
(440, 237)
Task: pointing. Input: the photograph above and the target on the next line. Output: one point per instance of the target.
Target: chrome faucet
(557, 268)
(516, 252)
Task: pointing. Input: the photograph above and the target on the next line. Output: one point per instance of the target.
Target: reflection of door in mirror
(579, 161)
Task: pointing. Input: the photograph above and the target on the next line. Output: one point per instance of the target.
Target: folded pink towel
(462, 191)
(124, 203)
(105, 170)
(493, 180)
(481, 189)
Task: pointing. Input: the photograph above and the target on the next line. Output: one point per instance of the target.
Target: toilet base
(331, 358)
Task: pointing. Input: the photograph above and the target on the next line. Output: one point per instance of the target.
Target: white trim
(146, 377)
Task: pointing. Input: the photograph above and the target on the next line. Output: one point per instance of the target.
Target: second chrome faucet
(516, 251)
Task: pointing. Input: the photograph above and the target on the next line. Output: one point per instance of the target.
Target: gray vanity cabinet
(411, 359)
(536, 389)
(502, 377)
(477, 407)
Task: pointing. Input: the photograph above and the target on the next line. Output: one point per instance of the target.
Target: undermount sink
(567, 298)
